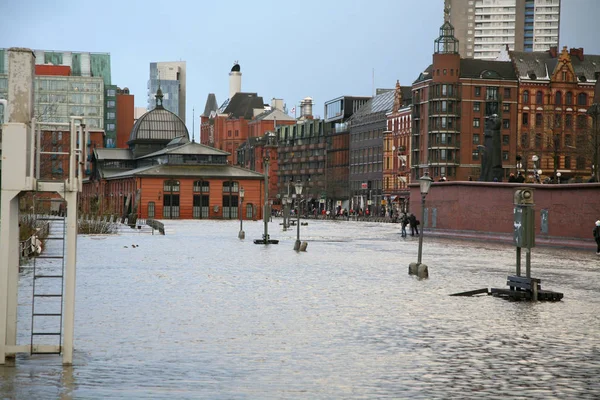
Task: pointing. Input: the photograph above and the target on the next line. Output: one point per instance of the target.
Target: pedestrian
(520, 177)
(512, 178)
(404, 222)
(597, 236)
(414, 224)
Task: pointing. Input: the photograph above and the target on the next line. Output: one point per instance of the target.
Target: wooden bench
(522, 283)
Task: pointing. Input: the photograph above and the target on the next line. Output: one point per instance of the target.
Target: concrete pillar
(9, 270)
(69, 300)
(21, 71)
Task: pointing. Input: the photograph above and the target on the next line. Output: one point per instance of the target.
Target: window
(524, 141)
(568, 140)
(491, 93)
(151, 206)
(110, 115)
(507, 93)
(230, 187)
(557, 121)
(558, 98)
(475, 139)
(581, 121)
(476, 106)
(505, 139)
(110, 127)
(567, 162)
(477, 91)
(506, 107)
(505, 155)
(506, 123)
(110, 104)
(476, 122)
(569, 98)
(111, 92)
(538, 140)
(568, 121)
(229, 133)
(539, 120)
(582, 99)
(526, 97)
(475, 154)
(525, 119)
(445, 71)
(170, 186)
(237, 133)
(539, 97)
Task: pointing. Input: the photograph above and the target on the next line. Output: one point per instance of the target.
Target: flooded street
(200, 314)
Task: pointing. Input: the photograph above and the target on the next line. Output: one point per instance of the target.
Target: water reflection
(199, 314)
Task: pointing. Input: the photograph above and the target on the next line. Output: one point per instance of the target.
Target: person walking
(414, 225)
(597, 236)
(404, 222)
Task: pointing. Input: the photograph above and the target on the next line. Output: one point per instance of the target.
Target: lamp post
(298, 187)
(535, 159)
(419, 268)
(242, 234)
(558, 174)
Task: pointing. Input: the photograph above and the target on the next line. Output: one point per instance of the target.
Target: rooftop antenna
(193, 124)
(373, 82)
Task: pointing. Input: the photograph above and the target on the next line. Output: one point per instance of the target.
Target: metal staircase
(48, 277)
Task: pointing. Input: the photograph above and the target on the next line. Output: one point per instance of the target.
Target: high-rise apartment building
(485, 27)
(171, 76)
(71, 83)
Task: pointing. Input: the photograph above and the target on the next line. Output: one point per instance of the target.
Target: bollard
(297, 245)
(242, 235)
(420, 270)
(303, 246)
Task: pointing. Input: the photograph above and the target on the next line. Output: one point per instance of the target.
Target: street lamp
(298, 187)
(242, 234)
(558, 174)
(535, 159)
(418, 268)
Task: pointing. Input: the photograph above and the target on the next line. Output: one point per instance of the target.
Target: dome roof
(235, 68)
(158, 124)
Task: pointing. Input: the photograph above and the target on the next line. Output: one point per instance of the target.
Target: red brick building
(396, 149)
(556, 91)
(451, 100)
(164, 175)
(125, 116)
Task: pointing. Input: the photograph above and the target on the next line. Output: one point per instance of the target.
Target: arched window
(539, 97)
(582, 99)
(558, 98)
(569, 98)
(526, 97)
(171, 198)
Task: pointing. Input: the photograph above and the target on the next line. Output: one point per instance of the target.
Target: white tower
(235, 80)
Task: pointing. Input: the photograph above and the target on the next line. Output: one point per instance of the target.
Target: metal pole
(518, 261)
(421, 233)
(266, 215)
(528, 263)
(298, 227)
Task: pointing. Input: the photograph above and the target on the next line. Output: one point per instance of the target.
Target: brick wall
(488, 207)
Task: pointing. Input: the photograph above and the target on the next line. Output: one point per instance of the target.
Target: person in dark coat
(512, 178)
(520, 178)
(404, 221)
(414, 225)
(597, 236)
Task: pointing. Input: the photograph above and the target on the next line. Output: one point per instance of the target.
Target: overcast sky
(286, 49)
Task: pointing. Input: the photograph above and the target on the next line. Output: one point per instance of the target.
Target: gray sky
(286, 49)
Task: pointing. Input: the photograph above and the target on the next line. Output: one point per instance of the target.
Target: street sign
(364, 185)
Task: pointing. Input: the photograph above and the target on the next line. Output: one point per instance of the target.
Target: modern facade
(556, 90)
(171, 77)
(367, 127)
(485, 27)
(337, 113)
(452, 100)
(71, 83)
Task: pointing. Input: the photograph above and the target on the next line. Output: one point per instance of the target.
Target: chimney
(553, 51)
(578, 52)
(235, 80)
(277, 104)
(306, 107)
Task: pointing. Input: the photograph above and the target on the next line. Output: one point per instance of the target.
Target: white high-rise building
(485, 27)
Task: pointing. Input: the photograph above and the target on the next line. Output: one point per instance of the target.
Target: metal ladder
(48, 276)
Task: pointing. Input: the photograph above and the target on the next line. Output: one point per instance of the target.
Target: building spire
(159, 94)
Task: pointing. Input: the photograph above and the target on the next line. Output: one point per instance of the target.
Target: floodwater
(199, 314)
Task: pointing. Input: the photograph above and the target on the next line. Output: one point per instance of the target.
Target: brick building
(396, 150)
(556, 91)
(451, 100)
